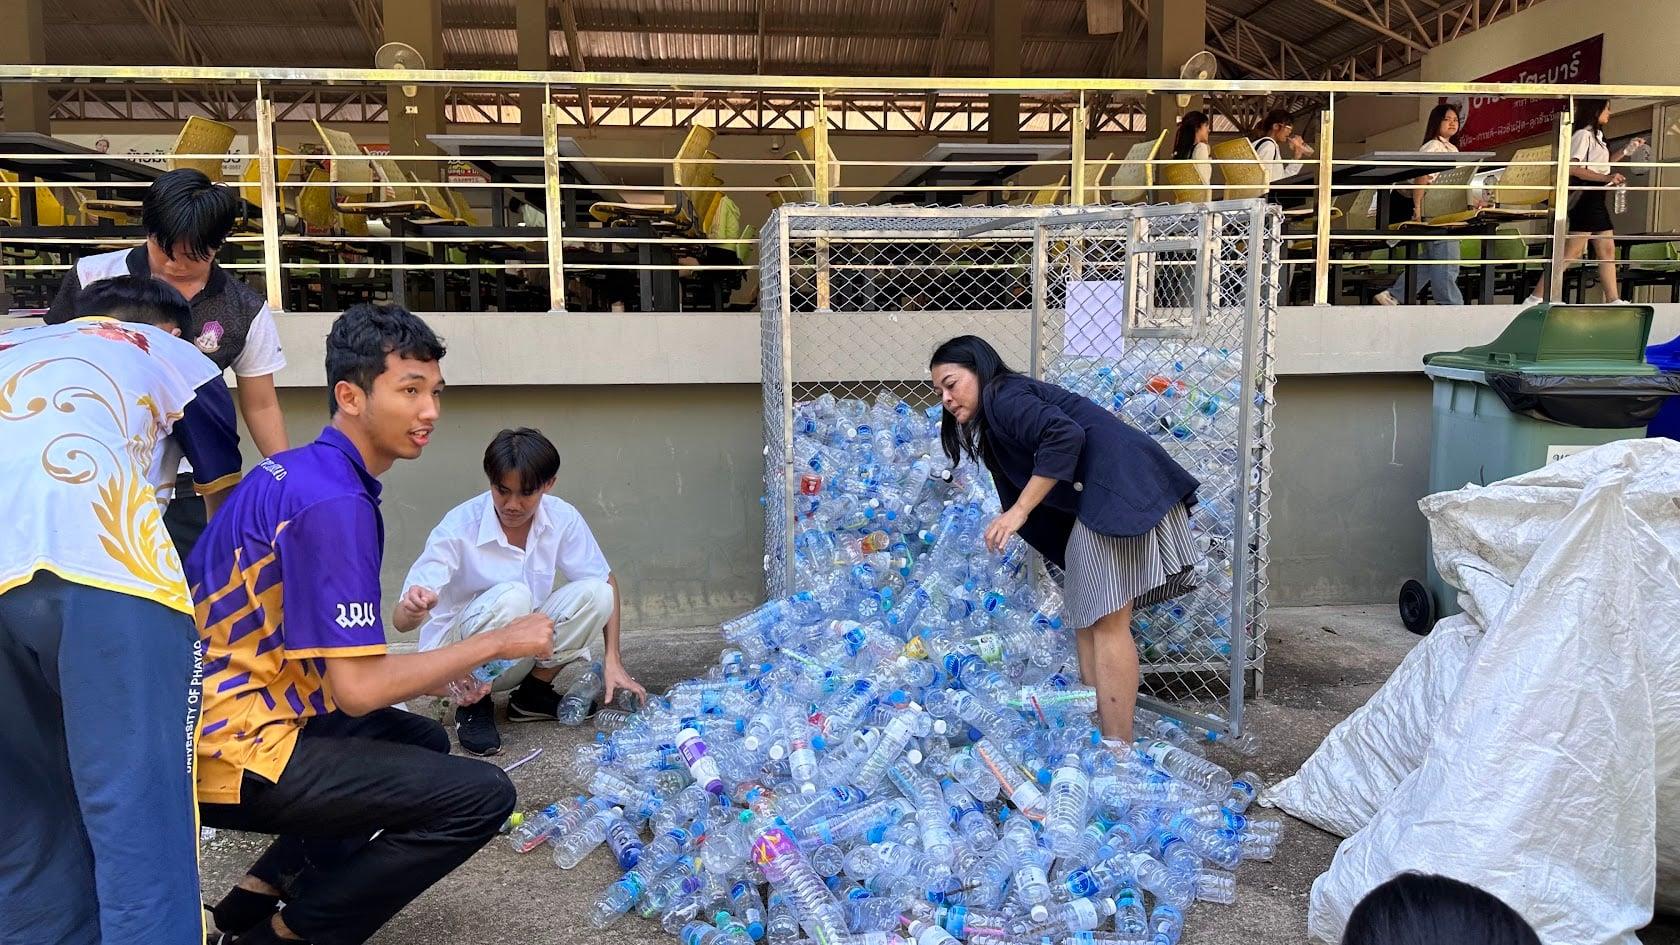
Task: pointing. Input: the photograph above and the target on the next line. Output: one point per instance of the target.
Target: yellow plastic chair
(197, 136)
(1050, 194)
(1240, 169)
(1134, 180)
(361, 180)
(251, 179)
(1184, 185)
(1095, 171)
(1526, 186)
(691, 163)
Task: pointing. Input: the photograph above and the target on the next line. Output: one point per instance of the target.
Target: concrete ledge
(723, 348)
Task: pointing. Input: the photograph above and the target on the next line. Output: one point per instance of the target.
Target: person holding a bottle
(299, 737)
(1096, 497)
(496, 557)
(1591, 178)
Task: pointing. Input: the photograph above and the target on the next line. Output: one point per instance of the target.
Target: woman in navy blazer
(1102, 500)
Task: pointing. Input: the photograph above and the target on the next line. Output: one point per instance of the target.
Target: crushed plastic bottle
(902, 749)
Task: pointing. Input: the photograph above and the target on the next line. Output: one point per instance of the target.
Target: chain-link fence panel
(1164, 315)
(854, 300)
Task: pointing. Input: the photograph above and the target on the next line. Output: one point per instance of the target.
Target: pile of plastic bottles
(901, 750)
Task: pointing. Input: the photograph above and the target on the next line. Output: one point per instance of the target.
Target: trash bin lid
(1600, 340)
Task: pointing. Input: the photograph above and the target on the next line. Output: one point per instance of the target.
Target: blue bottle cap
(1044, 777)
(876, 834)
(819, 743)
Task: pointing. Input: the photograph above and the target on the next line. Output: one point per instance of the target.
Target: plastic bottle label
(989, 647)
(1084, 915)
(1159, 750)
(916, 649)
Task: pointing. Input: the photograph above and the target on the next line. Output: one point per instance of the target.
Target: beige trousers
(579, 611)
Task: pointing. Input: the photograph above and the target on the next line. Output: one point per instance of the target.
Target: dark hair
(974, 353)
(1276, 116)
(360, 339)
(184, 209)
(525, 451)
(1422, 909)
(1184, 144)
(137, 299)
(1438, 114)
(1587, 111)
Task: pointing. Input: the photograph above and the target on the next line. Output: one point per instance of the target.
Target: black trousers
(184, 517)
(388, 772)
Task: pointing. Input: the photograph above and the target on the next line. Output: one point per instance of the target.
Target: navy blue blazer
(1110, 476)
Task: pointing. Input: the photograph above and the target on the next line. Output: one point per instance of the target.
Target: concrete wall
(1351, 463)
(667, 477)
(658, 418)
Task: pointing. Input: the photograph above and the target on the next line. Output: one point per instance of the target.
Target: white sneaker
(1620, 302)
(1386, 298)
(1532, 300)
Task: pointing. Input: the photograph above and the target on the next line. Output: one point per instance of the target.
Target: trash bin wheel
(1417, 607)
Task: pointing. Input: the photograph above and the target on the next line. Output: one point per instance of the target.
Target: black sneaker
(475, 728)
(533, 701)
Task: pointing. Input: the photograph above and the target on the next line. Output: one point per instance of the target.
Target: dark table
(1365, 171)
(73, 165)
(657, 288)
(985, 167)
(588, 182)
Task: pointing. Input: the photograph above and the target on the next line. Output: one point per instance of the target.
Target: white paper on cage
(1096, 319)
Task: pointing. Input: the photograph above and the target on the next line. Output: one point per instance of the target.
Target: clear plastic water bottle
(1203, 774)
(581, 695)
(537, 828)
(625, 844)
(1069, 798)
(573, 847)
(693, 750)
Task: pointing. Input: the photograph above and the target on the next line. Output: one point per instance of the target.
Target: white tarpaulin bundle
(1539, 757)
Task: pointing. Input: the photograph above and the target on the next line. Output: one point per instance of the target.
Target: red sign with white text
(1491, 122)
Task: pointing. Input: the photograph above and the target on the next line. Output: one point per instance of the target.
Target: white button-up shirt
(468, 553)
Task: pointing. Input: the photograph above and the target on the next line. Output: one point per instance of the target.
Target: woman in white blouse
(1276, 135)
(1441, 275)
(1191, 144)
(1589, 216)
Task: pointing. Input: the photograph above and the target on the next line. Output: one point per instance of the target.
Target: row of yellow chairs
(701, 209)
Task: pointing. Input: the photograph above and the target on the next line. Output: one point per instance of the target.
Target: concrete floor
(1322, 663)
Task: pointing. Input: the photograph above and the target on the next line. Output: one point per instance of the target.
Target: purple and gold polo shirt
(285, 577)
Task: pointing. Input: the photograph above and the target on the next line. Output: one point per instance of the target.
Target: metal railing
(578, 226)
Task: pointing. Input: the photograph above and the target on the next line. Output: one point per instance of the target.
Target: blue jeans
(99, 706)
(1441, 278)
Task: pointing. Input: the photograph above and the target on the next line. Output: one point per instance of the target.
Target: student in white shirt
(1589, 216)
(1276, 136)
(1191, 144)
(497, 556)
(1441, 277)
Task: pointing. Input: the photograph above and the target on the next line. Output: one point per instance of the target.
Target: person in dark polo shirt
(187, 218)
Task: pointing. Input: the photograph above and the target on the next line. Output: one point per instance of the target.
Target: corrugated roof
(895, 37)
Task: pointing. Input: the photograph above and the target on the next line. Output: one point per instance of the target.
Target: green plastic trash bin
(1560, 379)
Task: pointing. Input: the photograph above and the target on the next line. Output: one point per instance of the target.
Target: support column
(531, 24)
(23, 41)
(1177, 31)
(1003, 112)
(419, 23)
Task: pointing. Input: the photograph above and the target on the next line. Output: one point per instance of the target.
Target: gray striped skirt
(1106, 572)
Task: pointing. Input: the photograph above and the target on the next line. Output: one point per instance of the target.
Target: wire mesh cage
(1165, 316)
(855, 298)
